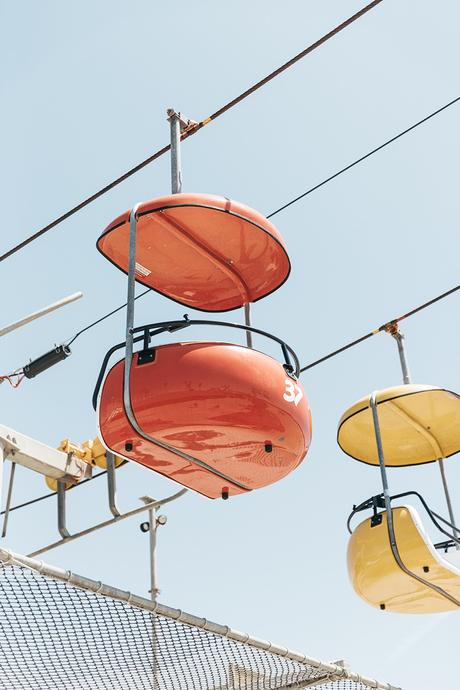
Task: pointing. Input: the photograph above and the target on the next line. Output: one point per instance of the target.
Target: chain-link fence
(60, 631)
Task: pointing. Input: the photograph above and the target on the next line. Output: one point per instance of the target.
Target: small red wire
(12, 383)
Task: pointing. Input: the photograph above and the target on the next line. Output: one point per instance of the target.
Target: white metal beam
(41, 458)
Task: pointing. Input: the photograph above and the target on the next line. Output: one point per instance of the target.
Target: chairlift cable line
(193, 128)
(363, 158)
(353, 343)
(383, 327)
(301, 196)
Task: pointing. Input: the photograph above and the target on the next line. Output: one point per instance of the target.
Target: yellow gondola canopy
(378, 579)
(418, 424)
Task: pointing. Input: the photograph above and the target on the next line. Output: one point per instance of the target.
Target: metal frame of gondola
(399, 337)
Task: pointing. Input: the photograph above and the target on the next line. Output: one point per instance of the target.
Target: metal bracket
(184, 122)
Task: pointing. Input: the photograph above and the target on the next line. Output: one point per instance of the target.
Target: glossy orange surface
(201, 250)
(224, 404)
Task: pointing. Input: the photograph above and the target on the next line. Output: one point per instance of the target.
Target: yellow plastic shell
(97, 454)
(419, 424)
(53, 485)
(377, 578)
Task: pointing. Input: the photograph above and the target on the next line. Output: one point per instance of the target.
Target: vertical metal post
(247, 321)
(383, 471)
(154, 591)
(153, 549)
(399, 337)
(389, 513)
(176, 164)
(2, 462)
(112, 484)
(8, 499)
(130, 306)
(61, 496)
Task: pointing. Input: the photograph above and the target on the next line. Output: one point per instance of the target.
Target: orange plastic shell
(203, 251)
(231, 407)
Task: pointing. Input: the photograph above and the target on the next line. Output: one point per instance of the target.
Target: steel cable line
(301, 196)
(385, 327)
(193, 128)
(363, 158)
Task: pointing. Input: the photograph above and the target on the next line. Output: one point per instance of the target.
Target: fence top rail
(333, 671)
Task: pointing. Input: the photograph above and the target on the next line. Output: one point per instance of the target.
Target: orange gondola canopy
(203, 251)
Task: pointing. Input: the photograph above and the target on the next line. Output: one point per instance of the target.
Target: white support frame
(39, 457)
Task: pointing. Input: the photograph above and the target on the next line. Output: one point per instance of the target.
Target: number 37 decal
(293, 392)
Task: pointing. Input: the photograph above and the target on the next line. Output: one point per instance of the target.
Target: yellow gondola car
(393, 565)
(382, 582)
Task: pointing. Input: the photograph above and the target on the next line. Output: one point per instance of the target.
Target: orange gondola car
(203, 251)
(219, 418)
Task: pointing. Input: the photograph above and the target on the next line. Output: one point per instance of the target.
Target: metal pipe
(399, 337)
(2, 462)
(107, 523)
(61, 496)
(8, 499)
(153, 548)
(176, 164)
(247, 321)
(112, 484)
(130, 303)
(389, 512)
(38, 314)
(448, 500)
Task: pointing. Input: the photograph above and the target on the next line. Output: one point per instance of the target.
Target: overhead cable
(388, 326)
(189, 131)
(298, 198)
(363, 158)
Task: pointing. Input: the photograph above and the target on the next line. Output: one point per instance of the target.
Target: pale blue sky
(85, 87)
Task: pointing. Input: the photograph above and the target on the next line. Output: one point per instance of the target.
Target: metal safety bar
(375, 502)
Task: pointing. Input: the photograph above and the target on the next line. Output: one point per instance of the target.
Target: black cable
(385, 327)
(190, 130)
(363, 158)
(106, 316)
(54, 493)
(301, 196)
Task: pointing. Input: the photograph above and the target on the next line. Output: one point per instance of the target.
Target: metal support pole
(399, 337)
(383, 471)
(153, 526)
(8, 499)
(130, 305)
(61, 496)
(2, 462)
(112, 484)
(175, 122)
(247, 321)
(448, 500)
(153, 552)
(389, 513)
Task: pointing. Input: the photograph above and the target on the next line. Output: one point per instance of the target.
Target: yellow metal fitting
(91, 452)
